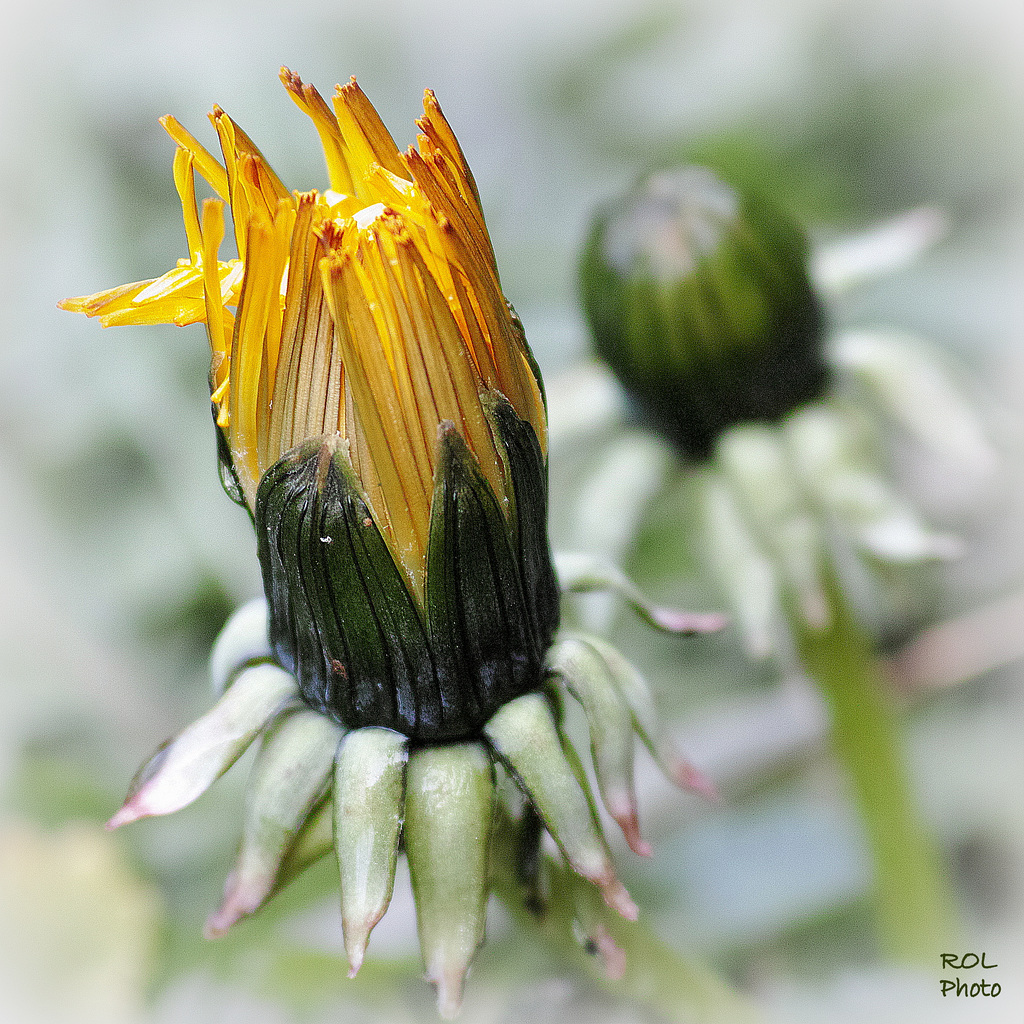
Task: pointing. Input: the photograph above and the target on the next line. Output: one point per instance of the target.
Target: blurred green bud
(700, 300)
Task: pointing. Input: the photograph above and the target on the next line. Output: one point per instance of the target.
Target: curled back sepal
(527, 740)
(344, 619)
(581, 572)
(290, 778)
(369, 804)
(186, 765)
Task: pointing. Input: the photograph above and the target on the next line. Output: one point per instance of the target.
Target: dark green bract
(344, 622)
(700, 301)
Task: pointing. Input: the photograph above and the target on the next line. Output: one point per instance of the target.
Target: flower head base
(699, 299)
(380, 415)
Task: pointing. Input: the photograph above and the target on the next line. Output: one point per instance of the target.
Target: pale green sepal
(314, 841)
(369, 792)
(187, 765)
(588, 924)
(913, 386)
(744, 571)
(290, 776)
(881, 249)
(586, 676)
(835, 461)
(633, 689)
(524, 735)
(448, 816)
(633, 469)
(243, 640)
(755, 464)
(581, 573)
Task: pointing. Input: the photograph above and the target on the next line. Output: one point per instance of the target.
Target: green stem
(576, 925)
(914, 904)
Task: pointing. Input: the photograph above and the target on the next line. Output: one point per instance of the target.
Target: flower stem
(913, 902)
(624, 957)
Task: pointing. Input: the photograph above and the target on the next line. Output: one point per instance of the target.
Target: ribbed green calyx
(344, 620)
(699, 299)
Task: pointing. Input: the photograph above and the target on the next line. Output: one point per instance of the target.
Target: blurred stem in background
(705, 302)
(913, 900)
